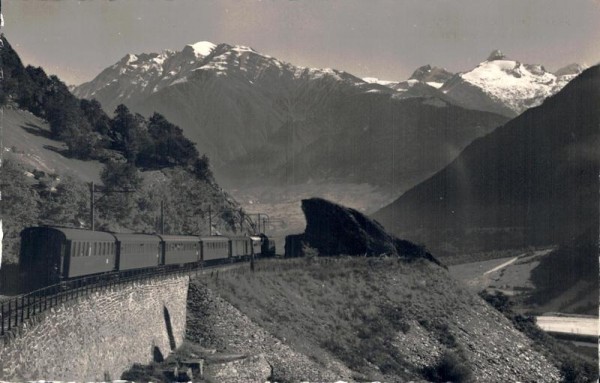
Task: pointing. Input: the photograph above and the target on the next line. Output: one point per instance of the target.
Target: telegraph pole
(162, 216)
(93, 200)
(92, 204)
(209, 221)
(241, 220)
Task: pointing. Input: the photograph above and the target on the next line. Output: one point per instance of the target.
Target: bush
(449, 368)
(577, 371)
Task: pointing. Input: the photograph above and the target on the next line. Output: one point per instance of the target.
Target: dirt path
(508, 275)
(501, 266)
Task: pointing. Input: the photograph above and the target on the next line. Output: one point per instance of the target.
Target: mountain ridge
(537, 175)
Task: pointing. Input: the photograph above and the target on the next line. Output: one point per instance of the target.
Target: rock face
(333, 229)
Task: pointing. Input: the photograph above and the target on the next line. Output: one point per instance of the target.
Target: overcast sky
(375, 38)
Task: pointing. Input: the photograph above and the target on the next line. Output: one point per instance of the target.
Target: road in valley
(569, 324)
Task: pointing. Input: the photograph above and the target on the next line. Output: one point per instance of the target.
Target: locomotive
(50, 255)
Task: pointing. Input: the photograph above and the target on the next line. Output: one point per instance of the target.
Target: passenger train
(50, 255)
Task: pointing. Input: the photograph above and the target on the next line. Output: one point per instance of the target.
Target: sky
(387, 39)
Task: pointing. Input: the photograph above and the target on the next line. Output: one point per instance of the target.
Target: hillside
(54, 145)
(41, 184)
(358, 319)
(27, 141)
(532, 181)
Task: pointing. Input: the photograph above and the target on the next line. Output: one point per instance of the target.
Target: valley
(440, 225)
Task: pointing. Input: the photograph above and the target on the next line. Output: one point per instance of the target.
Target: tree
(128, 133)
(201, 168)
(19, 207)
(98, 120)
(66, 205)
(117, 206)
(168, 146)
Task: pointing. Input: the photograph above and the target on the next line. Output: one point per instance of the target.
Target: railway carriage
(54, 254)
(137, 251)
(180, 249)
(240, 247)
(214, 248)
(256, 245)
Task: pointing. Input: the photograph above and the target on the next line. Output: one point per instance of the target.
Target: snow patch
(203, 48)
(374, 80)
(181, 80)
(434, 84)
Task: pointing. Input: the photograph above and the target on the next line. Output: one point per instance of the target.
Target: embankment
(98, 337)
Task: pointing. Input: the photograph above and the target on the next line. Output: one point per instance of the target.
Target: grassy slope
(26, 141)
(382, 318)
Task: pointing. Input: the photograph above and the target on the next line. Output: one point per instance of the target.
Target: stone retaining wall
(98, 337)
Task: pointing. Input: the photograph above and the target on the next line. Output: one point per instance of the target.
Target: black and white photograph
(231, 191)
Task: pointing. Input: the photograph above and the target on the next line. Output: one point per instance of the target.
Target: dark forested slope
(532, 181)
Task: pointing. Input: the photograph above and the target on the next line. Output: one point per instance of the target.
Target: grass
(351, 308)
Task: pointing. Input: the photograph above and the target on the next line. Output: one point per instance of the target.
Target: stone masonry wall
(98, 337)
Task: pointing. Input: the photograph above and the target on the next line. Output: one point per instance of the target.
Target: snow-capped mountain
(136, 77)
(432, 76)
(505, 86)
(260, 118)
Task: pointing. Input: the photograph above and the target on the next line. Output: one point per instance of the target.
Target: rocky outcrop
(333, 229)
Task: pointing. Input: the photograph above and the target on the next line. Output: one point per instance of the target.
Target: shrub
(577, 371)
(449, 368)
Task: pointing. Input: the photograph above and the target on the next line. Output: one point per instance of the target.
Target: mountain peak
(201, 48)
(496, 55)
(427, 73)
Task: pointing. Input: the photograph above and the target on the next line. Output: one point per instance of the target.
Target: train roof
(214, 238)
(76, 234)
(178, 238)
(136, 237)
(238, 237)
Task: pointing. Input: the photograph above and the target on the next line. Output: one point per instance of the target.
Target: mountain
(228, 99)
(532, 181)
(260, 118)
(432, 76)
(505, 86)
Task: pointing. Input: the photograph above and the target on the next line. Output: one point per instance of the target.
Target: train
(50, 255)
